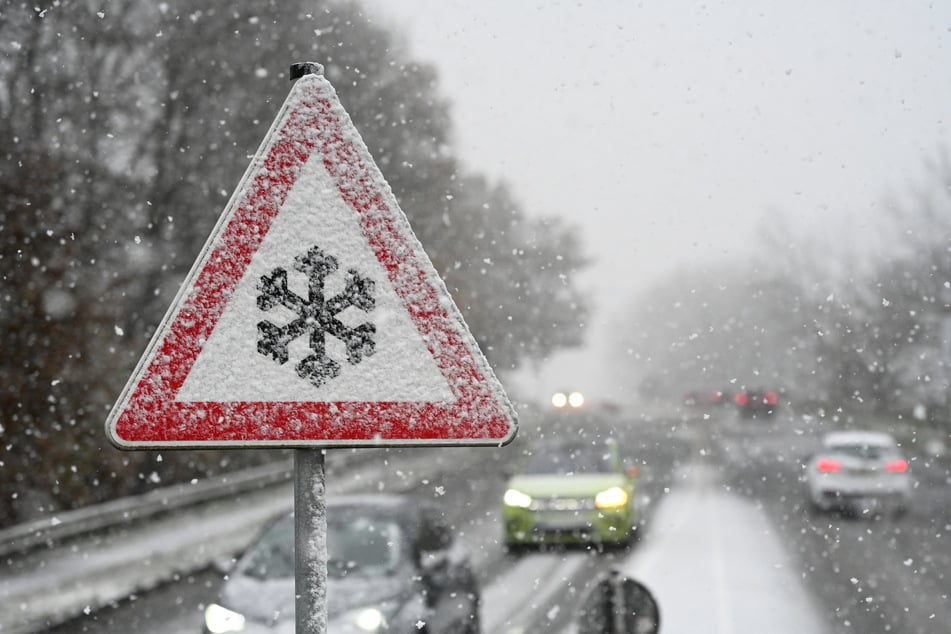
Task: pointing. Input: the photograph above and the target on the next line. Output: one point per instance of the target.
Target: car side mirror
(433, 566)
(618, 604)
(433, 536)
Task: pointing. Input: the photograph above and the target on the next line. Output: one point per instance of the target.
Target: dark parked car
(393, 566)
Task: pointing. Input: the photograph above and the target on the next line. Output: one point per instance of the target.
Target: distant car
(856, 470)
(692, 398)
(393, 566)
(756, 403)
(707, 398)
(571, 493)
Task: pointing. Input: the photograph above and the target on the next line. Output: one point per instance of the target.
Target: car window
(357, 543)
(272, 557)
(862, 450)
(570, 461)
(363, 544)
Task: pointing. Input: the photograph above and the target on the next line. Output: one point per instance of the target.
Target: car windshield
(569, 461)
(272, 557)
(862, 450)
(358, 542)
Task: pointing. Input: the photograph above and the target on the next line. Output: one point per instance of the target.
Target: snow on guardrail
(92, 562)
(65, 524)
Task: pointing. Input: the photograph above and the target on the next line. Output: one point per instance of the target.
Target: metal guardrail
(46, 583)
(97, 517)
(66, 524)
(61, 525)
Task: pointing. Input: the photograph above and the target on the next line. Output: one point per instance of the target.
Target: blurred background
(658, 206)
(630, 201)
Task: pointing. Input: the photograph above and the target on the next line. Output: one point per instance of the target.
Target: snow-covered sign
(312, 317)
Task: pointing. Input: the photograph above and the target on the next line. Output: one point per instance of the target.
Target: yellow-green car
(569, 494)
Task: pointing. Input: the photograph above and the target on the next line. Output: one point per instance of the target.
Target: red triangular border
(147, 415)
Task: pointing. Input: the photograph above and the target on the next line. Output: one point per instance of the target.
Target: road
(869, 574)
(864, 575)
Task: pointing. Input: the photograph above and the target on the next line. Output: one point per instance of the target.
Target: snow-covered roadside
(531, 583)
(51, 585)
(715, 564)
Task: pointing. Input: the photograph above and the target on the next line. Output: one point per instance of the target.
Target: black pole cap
(300, 69)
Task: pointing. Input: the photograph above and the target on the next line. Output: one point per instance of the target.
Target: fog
(734, 222)
(675, 134)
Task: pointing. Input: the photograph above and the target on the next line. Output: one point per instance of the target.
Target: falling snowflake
(316, 316)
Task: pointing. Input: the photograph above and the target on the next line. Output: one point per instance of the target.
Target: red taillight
(771, 398)
(897, 466)
(741, 399)
(828, 466)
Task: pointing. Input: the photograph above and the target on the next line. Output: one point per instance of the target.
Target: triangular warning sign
(312, 317)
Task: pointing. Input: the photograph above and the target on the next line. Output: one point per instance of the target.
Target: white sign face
(312, 317)
(401, 367)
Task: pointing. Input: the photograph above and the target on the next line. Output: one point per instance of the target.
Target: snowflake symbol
(316, 316)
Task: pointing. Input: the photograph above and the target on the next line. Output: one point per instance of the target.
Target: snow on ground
(526, 586)
(93, 570)
(711, 559)
(715, 564)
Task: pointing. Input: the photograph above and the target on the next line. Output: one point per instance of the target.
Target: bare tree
(124, 129)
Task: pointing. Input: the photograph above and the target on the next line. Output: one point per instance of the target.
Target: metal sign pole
(310, 510)
(310, 542)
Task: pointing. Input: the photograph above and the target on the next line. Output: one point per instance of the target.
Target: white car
(859, 471)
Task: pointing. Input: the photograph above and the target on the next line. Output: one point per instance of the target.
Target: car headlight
(514, 497)
(219, 620)
(359, 621)
(611, 498)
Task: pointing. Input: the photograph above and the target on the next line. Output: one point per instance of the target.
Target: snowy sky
(669, 131)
